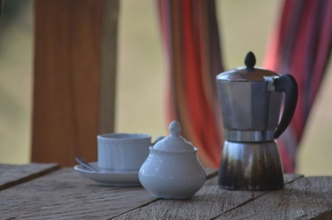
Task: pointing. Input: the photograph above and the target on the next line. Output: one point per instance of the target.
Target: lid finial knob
(174, 128)
(174, 142)
(250, 60)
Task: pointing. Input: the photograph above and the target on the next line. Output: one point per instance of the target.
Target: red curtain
(191, 43)
(300, 45)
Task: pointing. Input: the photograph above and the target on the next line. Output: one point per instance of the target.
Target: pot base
(251, 166)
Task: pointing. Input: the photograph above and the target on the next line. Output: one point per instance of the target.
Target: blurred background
(245, 26)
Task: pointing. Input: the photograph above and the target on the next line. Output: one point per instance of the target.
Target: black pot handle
(286, 83)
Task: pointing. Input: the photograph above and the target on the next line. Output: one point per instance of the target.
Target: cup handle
(159, 138)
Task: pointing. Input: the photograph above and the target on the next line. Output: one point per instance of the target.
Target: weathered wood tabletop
(45, 191)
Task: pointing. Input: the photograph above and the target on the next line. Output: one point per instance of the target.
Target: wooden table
(45, 191)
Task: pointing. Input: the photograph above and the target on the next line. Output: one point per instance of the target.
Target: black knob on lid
(250, 60)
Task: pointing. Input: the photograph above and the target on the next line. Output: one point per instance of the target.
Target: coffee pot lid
(247, 73)
(174, 142)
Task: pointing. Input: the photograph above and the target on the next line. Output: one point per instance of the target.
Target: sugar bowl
(172, 169)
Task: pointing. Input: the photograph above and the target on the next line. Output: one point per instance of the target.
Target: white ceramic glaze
(172, 169)
(122, 152)
(109, 178)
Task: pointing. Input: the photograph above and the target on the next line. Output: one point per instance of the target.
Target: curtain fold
(301, 46)
(191, 43)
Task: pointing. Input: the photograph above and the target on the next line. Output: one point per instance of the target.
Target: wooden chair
(74, 78)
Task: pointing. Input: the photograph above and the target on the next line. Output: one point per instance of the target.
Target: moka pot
(251, 100)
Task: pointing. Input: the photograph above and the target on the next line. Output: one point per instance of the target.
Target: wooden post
(74, 78)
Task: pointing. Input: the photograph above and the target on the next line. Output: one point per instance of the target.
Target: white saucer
(109, 178)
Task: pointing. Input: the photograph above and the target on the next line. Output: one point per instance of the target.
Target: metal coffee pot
(251, 100)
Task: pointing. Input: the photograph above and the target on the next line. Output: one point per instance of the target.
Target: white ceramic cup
(122, 152)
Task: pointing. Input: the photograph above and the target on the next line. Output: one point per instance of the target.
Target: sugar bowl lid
(174, 142)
